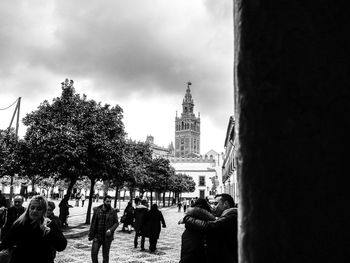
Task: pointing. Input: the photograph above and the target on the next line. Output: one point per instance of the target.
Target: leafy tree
(73, 136)
(138, 158)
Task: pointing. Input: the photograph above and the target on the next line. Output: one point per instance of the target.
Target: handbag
(6, 254)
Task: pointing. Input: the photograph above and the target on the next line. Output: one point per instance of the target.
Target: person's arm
(223, 222)
(116, 221)
(162, 219)
(55, 237)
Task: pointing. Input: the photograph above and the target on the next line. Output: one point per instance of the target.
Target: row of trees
(73, 138)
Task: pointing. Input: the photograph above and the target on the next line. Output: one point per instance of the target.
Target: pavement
(122, 249)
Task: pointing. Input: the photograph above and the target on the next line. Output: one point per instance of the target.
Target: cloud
(119, 50)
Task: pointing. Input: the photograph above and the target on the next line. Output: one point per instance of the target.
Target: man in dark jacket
(140, 211)
(104, 223)
(13, 213)
(224, 228)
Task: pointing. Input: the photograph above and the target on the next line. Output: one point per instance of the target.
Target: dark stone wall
(292, 105)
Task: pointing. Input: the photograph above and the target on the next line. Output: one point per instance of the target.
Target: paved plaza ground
(122, 249)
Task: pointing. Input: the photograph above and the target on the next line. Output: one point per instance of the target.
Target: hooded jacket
(140, 212)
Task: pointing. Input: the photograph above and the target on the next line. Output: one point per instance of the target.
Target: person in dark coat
(179, 204)
(34, 235)
(51, 215)
(64, 211)
(194, 244)
(140, 212)
(129, 217)
(151, 226)
(3, 208)
(13, 213)
(223, 229)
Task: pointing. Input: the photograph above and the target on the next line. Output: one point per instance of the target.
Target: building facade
(203, 170)
(158, 151)
(229, 167)
(187, 129)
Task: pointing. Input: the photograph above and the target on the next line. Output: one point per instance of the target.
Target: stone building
(229, 166)
(187, 129)
(204, 170)
(159, 151)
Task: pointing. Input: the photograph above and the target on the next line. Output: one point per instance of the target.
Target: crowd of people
(210, 233)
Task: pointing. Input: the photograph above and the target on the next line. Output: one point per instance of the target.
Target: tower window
(201, 181)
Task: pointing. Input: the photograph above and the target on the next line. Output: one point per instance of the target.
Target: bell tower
(187, 128)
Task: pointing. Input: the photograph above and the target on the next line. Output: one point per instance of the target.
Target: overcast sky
(138, 54)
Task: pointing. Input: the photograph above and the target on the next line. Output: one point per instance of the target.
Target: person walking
(179, 204)
(33, 235)
(3, 209)
(103, 224)
(184, 204)
(129, 217)
(64, 210)
(140, 212)
(83, 198)
(77, 198)
(223, 229)
(13, 213)
(194, 244)
(152, 226)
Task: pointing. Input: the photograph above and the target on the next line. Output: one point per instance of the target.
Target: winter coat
(151, 225)
(197, 246)
(31, 244)
(140, 212)
(12, 214)
(129, 215)
(111, 222)
(223, 229)
(64, 210)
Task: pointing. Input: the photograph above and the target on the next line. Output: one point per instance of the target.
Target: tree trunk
(124, 194)
(70, 188)
(106, 184)
(88, 213)
(169, 199)
(116, 196)
(33, 186)
(131, 191)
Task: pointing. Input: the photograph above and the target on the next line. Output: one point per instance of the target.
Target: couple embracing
(211, 233)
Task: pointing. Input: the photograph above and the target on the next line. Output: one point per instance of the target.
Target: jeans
(137, 235)
(96, 244)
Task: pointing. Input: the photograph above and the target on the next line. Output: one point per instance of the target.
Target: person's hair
(25, 216)
(19, 197)
(129, 203)
(107, 196)
(51, 205)
(202, 203)
(226, 197)
(154, 207)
